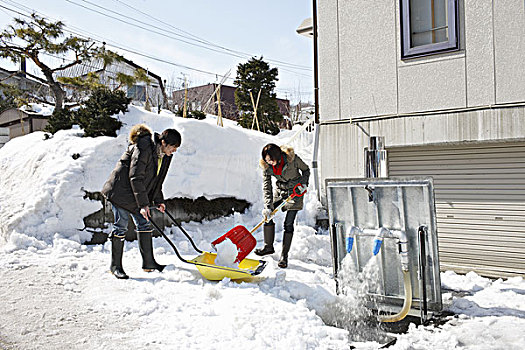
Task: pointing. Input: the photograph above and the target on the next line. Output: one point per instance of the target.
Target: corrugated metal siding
(480, 203)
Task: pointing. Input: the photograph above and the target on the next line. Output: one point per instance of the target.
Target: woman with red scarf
(288, 170)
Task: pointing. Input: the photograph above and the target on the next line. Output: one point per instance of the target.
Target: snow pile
(43, 180)
(226, 254)
(38, 108)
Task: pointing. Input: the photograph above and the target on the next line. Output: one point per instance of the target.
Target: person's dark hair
(171, 137)
(273, 151)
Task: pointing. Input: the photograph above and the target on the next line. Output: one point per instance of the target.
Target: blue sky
(243, 27)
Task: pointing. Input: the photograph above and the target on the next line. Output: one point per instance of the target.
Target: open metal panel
(400, 205)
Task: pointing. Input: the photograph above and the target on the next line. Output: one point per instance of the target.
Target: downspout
(315, 163)
(316, 63)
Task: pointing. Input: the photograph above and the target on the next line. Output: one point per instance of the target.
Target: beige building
(16, 122)
(444, 82)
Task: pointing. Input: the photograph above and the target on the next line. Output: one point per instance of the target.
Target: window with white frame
(428, 27)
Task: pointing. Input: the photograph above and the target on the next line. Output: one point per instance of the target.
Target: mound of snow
(43, 180)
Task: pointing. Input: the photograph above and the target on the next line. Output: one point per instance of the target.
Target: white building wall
(328, 39)
(479, 47)
(509, 49)
(362, 74)
(342, 144)
(367, 42)
(432, 86)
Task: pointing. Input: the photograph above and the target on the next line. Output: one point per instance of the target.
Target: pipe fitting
(350, 237)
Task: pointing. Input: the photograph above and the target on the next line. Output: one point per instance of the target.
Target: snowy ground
(64, 297)
(56, 293)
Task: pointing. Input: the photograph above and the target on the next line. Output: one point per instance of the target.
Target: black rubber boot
(117, 248)
(269, 236)
(146, 250)
(287, 242)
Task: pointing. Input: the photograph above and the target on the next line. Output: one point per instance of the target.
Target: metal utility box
(360, 210)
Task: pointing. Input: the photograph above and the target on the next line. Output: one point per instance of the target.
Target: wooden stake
(215, 92)
(255, 105)
(185, 108)
(219, 118)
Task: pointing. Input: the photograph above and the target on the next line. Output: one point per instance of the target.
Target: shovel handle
(272, 214)
(181, 228)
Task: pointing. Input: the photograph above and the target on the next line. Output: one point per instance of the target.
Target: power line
(122, 48)
(159, 33)
(27, 9)
(228, 51)
(206, 41)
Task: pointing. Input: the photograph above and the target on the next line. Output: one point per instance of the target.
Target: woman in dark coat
(288, 170)
(134, 185)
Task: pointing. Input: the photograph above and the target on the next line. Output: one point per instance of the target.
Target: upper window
(428, 26)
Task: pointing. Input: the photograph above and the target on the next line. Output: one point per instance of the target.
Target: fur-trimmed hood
(288, 150)
(138, 131)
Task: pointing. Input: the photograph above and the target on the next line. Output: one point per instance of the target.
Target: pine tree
(61, 119)
(33, 38)
(255, 76)
(96, 116)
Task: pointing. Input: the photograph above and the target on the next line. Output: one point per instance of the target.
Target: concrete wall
(342, 144)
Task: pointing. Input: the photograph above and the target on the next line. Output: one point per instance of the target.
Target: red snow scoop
(243, 238)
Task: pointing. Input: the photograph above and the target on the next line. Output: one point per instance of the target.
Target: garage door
(480, 203)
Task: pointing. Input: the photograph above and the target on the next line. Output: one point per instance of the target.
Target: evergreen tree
(33, 38)
(61, 119)
(96, 116)
(255, 76)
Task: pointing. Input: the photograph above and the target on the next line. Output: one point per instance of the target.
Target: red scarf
(279, 169)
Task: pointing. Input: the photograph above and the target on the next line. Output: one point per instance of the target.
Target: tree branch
(66, 66)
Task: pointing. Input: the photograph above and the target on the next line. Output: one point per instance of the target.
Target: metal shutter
(480, 203)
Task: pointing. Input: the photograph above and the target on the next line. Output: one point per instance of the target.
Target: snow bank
(43, 180)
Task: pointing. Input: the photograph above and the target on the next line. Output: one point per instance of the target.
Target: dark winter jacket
(134, 183)
(294, 171)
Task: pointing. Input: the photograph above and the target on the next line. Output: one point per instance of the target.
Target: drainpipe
(376, 158)
(316, 64)
(315, 163)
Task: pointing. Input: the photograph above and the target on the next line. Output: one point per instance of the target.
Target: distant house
(302, 112)
(4, 136)
(154, 92)
(198, 96)
(20, 79)
(17, 122)
(27, 82)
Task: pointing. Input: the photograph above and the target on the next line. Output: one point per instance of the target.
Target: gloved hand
(301, 188)
(266, 214)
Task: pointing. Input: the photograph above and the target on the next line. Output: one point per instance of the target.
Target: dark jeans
(288, 220)
(120, 226)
